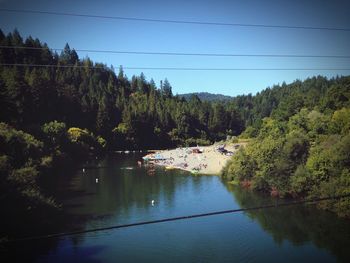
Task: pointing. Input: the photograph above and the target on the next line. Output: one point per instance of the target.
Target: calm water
(124, 192)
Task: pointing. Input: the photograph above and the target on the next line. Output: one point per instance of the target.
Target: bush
(249, 132)
(299, 158)
(300, 181)
(55, 133)
(335, 186)
(102, 142)
(18, 145)
(83, 142)
(340, 123)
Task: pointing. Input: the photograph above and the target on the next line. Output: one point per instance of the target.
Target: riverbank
(197, 160)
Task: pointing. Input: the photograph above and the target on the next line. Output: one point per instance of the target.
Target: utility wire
(181, 53)
(175, 68)
(177, 218)
(172, 21)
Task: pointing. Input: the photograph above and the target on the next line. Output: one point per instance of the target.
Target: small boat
(169, 167)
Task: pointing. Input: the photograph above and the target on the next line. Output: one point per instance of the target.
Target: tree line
(301, 147)
(58, 115)
(128, 113)
(58, 109)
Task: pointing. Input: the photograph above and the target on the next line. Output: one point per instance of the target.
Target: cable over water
(163, 220)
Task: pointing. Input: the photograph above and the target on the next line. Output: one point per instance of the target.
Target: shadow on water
(122, 188)
(123, 193)
(298, 224)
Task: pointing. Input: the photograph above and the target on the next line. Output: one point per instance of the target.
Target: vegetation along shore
(56, 116)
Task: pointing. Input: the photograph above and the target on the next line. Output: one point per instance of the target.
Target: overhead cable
(172, 68)
(181, 53)
(142, 19)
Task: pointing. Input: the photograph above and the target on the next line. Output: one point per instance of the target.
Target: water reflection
(124, 193)
(299, 224)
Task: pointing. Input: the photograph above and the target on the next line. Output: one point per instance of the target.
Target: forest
(302, 149)
(58, 109)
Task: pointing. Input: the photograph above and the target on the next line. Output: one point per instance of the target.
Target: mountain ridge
(206, 96)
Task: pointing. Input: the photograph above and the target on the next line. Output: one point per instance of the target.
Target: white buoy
(83, 170)
(96, 180)
(152, 202)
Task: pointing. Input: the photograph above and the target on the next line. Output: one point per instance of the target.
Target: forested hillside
(59, 108)
(205, 96)
(129, 113)
(92, 96)
(302, 148)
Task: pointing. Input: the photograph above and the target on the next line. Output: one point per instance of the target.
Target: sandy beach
(201, 159)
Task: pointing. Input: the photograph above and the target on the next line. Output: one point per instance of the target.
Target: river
(124, 194)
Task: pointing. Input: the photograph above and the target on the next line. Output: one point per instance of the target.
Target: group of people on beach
(183, 159)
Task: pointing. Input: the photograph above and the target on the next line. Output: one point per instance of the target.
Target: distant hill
(205, 96)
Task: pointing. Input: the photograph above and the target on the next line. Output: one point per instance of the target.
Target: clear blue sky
(94, 33)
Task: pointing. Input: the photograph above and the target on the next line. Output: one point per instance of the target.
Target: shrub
(55, 133)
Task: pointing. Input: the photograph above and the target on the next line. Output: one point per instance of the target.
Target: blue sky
(103, 34)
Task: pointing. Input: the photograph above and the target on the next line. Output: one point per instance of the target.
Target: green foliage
(205, 96)
(54, 129)
(122, 128)
(194, 142)
(84, 142)
(271, 127)
(21, 166)
(300, 181)
(98, 100)
(300, 129)
(249, 132)
(102, 142)
(241, 167)
(336, 186)
(231, 139)
(77, 135)
(55, 133)
(46, 162)
(340, 123)
(24, 176)
(329, 159)
(19, 146)
(308, 156)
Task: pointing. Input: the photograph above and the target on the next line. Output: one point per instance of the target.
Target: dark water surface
(123, 195)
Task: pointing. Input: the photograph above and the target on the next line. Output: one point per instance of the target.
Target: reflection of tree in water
(122, 187)
(151, 169)
(298, 224)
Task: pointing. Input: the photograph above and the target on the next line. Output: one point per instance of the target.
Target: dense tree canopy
(306, 156)
(90, 95)
(71, 107)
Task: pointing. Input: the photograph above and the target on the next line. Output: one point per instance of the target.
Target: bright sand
(210, 161)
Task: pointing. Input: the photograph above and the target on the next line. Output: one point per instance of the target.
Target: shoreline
(208, 160)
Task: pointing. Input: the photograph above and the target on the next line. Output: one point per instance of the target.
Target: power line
(182, 53)
(52, 66)
(175, 68)
(172, 21)
(177, 218)
(236, 69)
